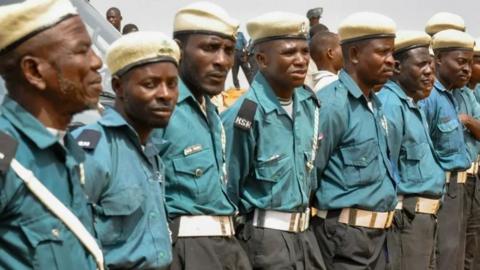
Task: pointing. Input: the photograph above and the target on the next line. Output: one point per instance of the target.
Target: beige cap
(476, 49)
(205, 18)
(141, 48)
(21, 21)
(277, 25)
(366, 25)
(452, 39)
(407, 40)
(443, 21)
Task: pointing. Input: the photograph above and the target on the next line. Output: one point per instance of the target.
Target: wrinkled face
(374, 61)
(284, 61)
(454, 67)
(71, 75)
(115, 18)
(149, 93)
(415, 73)
(475, 78)
(206, 61)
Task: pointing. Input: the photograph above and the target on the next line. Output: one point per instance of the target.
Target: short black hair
(117, 10)
(128, 28)
(317, 29)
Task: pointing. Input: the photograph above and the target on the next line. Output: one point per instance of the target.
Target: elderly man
(194, 145)
(51, 73)
(125, 176)
(272, 142)
(356, 191)
(453, 56)
(411, 240)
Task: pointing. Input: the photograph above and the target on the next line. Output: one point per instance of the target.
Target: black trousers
(206, 252)
(472, 221)
(270, 249)
(347, 247)
(411, 239)
(451, 235)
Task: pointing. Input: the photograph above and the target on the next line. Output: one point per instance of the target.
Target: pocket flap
(416, 151)
(360, 154)
(194, 164)
(44, 228)
(448, 126)
(272, 170)
(122, 202)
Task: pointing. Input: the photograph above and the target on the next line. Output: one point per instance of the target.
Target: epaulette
(314, 96)
(8, 148)
(246, 114)
(88, 139)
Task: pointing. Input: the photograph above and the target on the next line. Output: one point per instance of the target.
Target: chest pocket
(118, 214)
(411, 165)
(196, 171)
(447, 140)
(361, 163)
(46, 236)
(272, 170)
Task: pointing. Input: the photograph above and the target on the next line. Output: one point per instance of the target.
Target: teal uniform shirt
(267, 162)
(446, 130)
(476, 92)
(352, 162)
(468, 104)
(192, 152)
(125, 184)
(411, 148)
(31, 237)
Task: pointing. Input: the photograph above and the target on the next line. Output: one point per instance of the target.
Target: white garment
(323, 78)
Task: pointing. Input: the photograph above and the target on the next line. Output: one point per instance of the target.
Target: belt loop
(373, 220)
(293, 219)
(352, 217)
(261, 217)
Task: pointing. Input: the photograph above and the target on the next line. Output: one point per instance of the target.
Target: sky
(157, 15)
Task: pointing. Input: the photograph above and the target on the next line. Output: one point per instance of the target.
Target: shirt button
(198, 172)
(55, 232)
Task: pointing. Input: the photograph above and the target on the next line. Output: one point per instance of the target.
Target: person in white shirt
(326, 53)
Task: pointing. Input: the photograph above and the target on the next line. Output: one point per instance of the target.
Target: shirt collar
(351, 85)
(267, 98)
(439, 86)
(398, 90)
(27, 124)
(34, 130)
(112, 118)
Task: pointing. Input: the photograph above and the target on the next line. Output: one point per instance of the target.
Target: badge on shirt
(192, 149)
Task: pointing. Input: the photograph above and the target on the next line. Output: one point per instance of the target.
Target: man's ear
(397, 67)
(262, 60)
(354, 53)
(330, 53)
(117, 87)
(35, 70)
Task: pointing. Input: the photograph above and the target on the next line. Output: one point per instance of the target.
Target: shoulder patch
(88, 139)
(314, 96)
(8, 148)
(246, 114)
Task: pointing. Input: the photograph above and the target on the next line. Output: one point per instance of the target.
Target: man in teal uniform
(272, 142)
(453, 56)
(51, 73)
(356, 185)
(194, 143)
(411, 240)
(125, 176)
(469, 113)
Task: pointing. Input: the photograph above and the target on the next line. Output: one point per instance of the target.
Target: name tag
(192, 149)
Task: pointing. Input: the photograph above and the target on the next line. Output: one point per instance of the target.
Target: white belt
(282, 221)
(473, 170)
(362, 218)
(192, 226)
(423, 205)
(461, 177)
